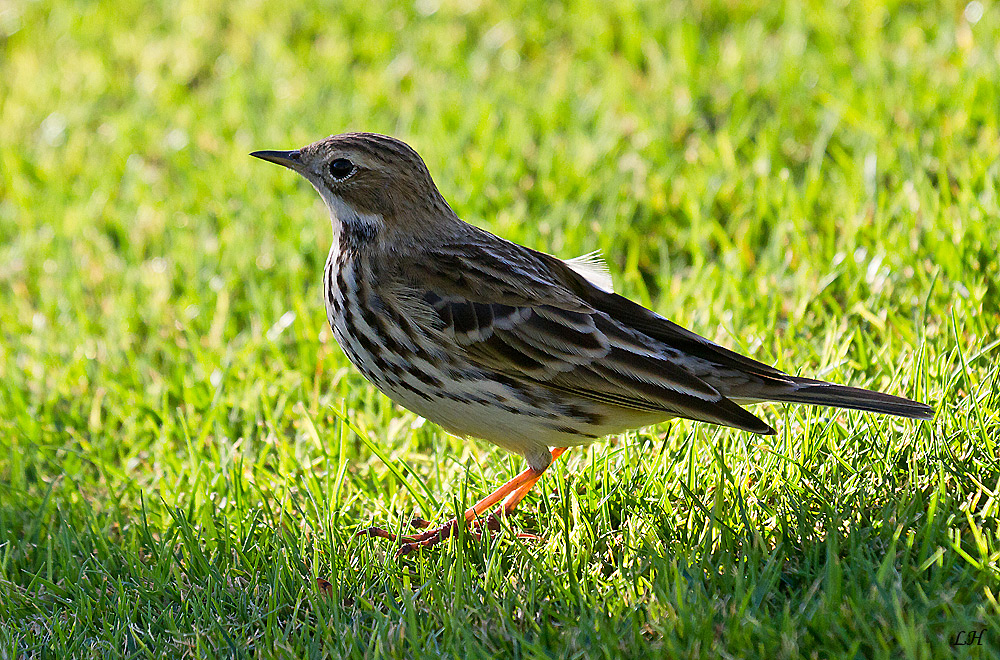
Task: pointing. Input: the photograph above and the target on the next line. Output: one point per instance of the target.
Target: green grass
(184, 449)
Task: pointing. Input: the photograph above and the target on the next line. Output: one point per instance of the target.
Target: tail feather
(818, 393)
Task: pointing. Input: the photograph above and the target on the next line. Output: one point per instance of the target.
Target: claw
(375, 531)
(384, 534)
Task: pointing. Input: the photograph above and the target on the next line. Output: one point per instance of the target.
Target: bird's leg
(511, 493)
(510, 503)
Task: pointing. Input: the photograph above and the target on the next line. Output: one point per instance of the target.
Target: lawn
(184, 449)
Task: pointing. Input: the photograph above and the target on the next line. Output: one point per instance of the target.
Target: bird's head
(371, 179)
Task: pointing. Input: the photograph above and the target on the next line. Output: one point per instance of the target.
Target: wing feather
(550, 326)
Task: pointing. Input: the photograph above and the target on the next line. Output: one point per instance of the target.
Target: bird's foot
(428, 538)
(410, 543)
(474, 528)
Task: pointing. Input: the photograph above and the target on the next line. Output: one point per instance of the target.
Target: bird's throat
(352, 229)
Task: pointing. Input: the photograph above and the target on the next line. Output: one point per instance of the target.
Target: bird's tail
(816, 392)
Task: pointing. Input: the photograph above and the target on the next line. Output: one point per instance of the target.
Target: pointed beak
(290, 159)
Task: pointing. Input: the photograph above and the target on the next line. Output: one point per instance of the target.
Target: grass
(184, 449)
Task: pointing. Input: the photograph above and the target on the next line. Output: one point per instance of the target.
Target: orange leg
(511, 501)
(511, 493)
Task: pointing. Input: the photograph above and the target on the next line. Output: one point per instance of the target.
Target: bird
(493, 340)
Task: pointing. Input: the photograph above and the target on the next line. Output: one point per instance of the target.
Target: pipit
(497, 341)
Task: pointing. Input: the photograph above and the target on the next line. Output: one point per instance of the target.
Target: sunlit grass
(184, 449)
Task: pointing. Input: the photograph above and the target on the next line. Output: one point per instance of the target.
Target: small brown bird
(493, 340)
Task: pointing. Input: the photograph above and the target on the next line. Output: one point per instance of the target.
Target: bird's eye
(341, 168)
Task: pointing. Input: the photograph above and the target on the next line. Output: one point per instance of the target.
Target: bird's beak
(290, 159)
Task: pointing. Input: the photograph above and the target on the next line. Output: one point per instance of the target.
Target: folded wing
(540, 329)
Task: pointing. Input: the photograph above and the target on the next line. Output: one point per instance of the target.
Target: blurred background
(812, 182)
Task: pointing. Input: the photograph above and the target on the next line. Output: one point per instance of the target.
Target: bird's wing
(511, 312)
(653, 325)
